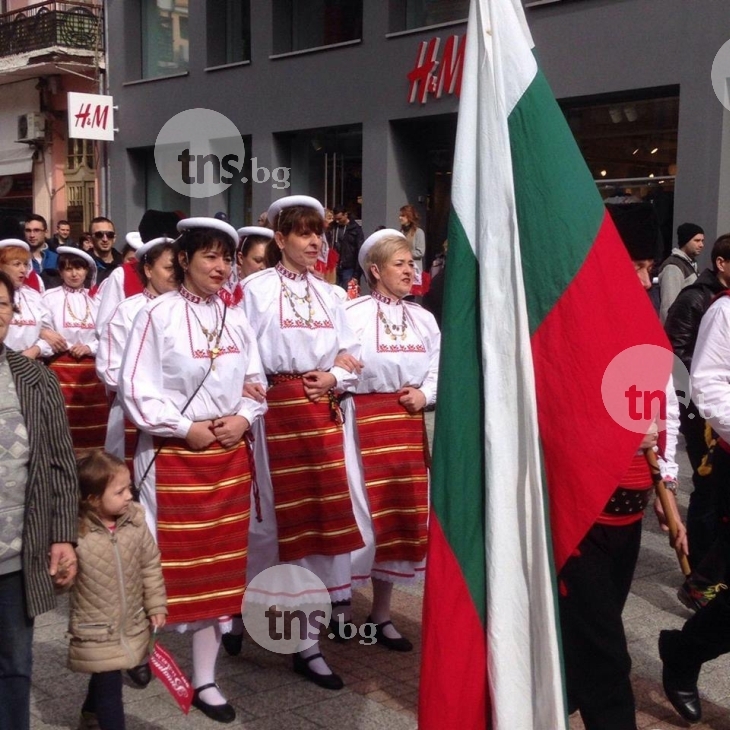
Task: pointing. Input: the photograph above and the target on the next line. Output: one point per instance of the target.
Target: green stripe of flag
(549, 171)
(458, 463)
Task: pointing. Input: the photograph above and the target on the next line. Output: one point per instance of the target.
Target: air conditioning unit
(31, 127)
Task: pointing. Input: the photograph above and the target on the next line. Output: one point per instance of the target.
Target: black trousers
(706, 635)
(702, 514)
(104, 699)
(594, 585)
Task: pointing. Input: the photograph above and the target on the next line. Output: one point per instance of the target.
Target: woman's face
(17, 270)
(253, 261)
(73, 275)
(395, 277)
(6, 311)
(161, 274)
(299, 251)
(206, 271)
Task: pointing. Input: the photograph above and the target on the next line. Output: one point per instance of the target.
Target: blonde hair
(381, 253)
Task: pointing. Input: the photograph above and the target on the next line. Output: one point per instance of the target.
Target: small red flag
(165, 668)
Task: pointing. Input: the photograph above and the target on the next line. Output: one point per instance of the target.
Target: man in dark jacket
(39, 500)
(682, 326)
(347, 238)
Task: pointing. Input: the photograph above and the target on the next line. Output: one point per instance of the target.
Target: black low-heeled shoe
(232, 643)
(328, 681)
(141, 675)
(219, 713)
(401, 644)
(679, 682)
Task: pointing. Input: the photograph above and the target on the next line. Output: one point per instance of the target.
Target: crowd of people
(216, 368)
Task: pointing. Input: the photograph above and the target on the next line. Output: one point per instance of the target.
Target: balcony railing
(71, 25)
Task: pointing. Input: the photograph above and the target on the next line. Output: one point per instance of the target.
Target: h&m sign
(434, 75)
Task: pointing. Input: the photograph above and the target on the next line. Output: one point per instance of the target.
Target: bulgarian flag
(540, 296)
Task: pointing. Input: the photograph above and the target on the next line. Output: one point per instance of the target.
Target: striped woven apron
(203, 511)
(393, 452)
(87, 404)
(314, 513)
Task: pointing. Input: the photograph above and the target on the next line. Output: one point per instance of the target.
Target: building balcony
(49, 33)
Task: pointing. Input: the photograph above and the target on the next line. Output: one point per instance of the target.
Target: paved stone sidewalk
(381, 686)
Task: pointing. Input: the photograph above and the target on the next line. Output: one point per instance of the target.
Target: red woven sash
(392, 447)
(307, 464)
(203, 511)
(87, 405)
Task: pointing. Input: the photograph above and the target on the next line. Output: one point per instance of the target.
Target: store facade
(358, 100)
(48, 49)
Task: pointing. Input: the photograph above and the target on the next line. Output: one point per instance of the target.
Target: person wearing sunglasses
(106, 257)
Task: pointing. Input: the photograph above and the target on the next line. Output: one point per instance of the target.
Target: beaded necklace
(394, 331)
(212, 337)
(87, 314)
(293, 298)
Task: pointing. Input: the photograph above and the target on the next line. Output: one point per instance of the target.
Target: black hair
(200, 239)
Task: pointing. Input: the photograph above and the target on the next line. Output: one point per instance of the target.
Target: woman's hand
(255, 391)
(62, 564)
(200, 436)
(32, 352)
(348, 362)
(317, 383)
(56, 341)
(229, 430)
(412, 399)
(78, 351)
(681, 539)
(652, 437)
(158, 620)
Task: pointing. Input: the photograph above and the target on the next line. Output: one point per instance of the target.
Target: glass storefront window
(629, 142)
(229, 31)
(165, 44)
(411, 14)
(303, 24)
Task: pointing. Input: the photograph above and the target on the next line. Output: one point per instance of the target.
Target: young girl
(119, 589)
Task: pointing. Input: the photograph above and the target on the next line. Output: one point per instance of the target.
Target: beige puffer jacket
(119, 584)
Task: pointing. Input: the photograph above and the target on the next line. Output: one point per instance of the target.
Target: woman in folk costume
(187, 359)
(73, 314)
(124, 281)
(386, 437)
(156, 271)
(301, 329)
(31, 323)
(251, 252)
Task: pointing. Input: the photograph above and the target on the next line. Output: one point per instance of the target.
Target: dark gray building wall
(600, 46)
(585, 48)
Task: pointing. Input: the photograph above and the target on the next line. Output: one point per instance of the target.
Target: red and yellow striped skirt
(393, 451)
(203, 511)
(314, 513)
(87, 404)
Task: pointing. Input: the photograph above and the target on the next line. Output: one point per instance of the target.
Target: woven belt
(628, 501)
(332, 397)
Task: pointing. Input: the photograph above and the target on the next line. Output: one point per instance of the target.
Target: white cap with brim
(255, 231)
(80, 253)
(145, 248)
(133, 239)
(7, 242)
(73, 251)
(189, 224)
(376, 237)
(305, 201)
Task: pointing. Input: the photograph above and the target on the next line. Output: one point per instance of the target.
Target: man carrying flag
(529, 327)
